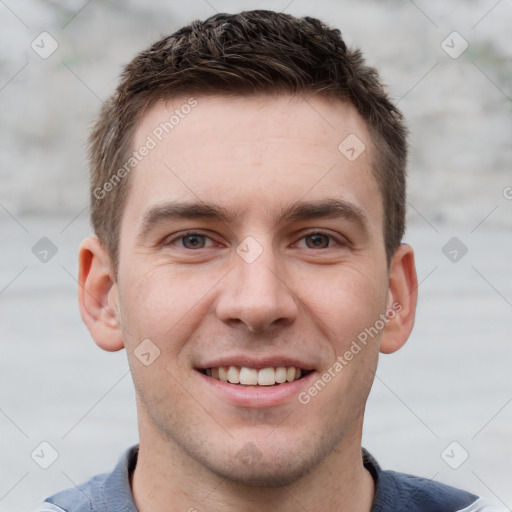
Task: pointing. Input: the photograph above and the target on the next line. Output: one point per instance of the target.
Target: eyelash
(337, 240)
(180, 237)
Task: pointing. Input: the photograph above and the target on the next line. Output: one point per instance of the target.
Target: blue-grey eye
(317, 241)
(193, 241)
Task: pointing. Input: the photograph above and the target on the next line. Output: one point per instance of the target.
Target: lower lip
(257, 396)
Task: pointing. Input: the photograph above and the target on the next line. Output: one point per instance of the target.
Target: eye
(191, 241)
(320, 240)
(317, 240)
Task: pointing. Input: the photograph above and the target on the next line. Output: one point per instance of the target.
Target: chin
(276, 467)
(264, 474)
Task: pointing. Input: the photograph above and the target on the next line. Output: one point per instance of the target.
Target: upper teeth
(252, 376)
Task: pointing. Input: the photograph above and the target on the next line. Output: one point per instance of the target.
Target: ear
(402, 297)
(97, 295)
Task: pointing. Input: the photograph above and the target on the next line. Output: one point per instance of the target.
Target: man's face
(250, 240)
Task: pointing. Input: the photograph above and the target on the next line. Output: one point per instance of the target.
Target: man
(248, 198)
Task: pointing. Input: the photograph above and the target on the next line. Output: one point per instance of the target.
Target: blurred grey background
(440, 408)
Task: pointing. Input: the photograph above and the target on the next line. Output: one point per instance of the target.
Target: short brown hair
(252, 52)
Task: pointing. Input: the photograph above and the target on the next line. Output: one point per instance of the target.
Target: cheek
(161, 303)
(349, 302)
(346, 300)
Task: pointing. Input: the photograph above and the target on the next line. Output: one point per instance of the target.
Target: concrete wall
(458, 109)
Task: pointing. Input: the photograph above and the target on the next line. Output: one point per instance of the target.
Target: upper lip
(255, 362)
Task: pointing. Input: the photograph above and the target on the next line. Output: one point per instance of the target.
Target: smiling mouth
(245, 376)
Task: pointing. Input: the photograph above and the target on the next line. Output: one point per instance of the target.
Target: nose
(256, 296)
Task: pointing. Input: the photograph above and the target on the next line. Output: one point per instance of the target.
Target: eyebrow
(326, 208)
(299, 211)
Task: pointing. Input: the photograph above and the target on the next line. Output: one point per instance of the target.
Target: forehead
(252, 154)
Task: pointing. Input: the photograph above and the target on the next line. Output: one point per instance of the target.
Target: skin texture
(255, 157)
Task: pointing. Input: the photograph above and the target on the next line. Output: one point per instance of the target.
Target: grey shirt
(394, 492)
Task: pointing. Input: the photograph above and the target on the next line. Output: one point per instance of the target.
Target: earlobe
(97, 295)
(402, 297)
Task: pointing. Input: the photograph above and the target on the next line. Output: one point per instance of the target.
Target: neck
(166, 475)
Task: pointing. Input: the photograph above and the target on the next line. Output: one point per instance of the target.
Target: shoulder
(102, 493)
(416, 494)
(400, 492)
(87, 497)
